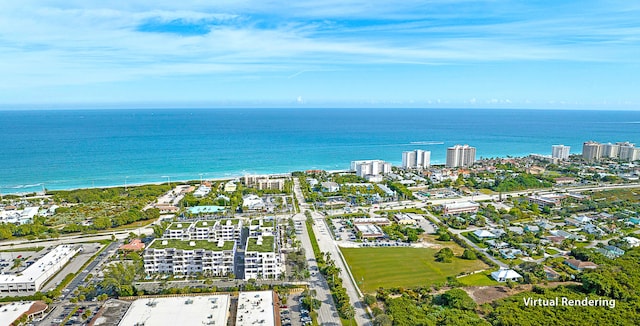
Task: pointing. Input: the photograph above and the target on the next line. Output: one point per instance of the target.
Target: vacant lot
(402, 267)
(478, 279)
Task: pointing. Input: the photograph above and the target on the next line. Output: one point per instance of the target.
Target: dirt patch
(484, 294)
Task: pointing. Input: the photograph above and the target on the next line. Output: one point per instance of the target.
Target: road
(327, 314)
(327, 244)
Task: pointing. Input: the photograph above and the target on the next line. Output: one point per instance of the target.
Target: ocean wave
(427, 142)
(23, 186)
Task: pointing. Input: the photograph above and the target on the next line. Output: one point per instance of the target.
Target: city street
(327, 244)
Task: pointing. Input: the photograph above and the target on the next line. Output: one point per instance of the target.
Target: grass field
(402, 267)
(478, 279)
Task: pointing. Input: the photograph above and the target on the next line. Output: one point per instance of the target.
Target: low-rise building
(330, 186)
(183, 310)
(504, 275)
(257, 308)
(11, 312)
(579, 264)
(253, 202)
(369, 231)
(460, 207)
(33, 277)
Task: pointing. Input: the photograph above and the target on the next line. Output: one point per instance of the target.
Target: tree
(445, 255)
(444, 236)
(469, 255)
(383, 320)
(458, 299)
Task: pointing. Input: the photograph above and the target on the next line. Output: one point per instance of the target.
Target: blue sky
(441, 53)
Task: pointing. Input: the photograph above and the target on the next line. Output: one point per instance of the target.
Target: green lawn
(478, 279)
(402, 267)
(551, 251)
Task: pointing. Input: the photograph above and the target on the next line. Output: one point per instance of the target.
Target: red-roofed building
(134, 245)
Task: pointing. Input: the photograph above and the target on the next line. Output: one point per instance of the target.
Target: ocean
(65, 149)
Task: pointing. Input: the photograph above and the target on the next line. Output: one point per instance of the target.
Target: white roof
(463, 204)
(48, 264)
(255, 308)
(484, 234)
(505, 274)
(13, 310)
(196, 310)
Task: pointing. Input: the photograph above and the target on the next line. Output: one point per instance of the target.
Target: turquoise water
(64, 149)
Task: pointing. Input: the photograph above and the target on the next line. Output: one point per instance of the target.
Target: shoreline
(138, 184)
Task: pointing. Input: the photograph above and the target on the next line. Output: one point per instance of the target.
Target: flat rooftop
(255, 308)
(48, 264)
(9, 312)
(195, 310)
(191, 244)
(179, 226)
(265, 245)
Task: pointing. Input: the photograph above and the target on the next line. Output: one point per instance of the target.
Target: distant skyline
(441, 53)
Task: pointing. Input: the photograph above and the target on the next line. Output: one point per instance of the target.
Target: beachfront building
(560, 152)
(262, 258)
(263, 182)
(33, 277)
(591, 151)
(625, 151)
(460, 156)
(170, 256)
(416, 159)
(628, 152)
(370, 168)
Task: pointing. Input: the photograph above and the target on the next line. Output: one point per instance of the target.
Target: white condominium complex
(625, 151)
(370, 167)
(591, 151)
(262, 258)
(560, 152)
(172, 256)
(417, 159)
(213, 230)
(460, 156)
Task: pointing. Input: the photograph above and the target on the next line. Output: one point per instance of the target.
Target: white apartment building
(610, 150)
(416, 159)
(262, 182)
(460, 156)
(625, 151)
(170, 256)
(370, 167)
(262, 258)
(591, 151)
(560, 152)
(212, 230)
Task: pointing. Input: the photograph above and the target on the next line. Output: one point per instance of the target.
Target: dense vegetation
(521, 181)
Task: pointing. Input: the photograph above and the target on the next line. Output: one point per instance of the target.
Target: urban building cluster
(594, 151)
(210, 247)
